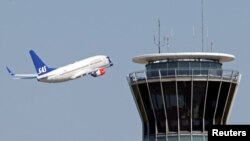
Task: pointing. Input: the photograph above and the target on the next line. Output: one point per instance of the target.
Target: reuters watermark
(228, 131)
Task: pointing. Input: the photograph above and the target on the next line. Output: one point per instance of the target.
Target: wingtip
(9, 71)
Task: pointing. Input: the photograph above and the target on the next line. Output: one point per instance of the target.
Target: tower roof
(146, 58)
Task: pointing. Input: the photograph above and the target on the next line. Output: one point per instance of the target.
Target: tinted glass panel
(145, 128)
(163, 65)
(169, 90)
(184, 101)
(199, 91)
(172, 65)
(146, 138)
(152, 138)
(205, 67)
(185, 138)
(197, 138)
(229, 101)
(212, 94)
(164, 72)
(195, 66)
(153, 73)
(157, 99)
(149, 111)
(222, 101)
(184, 68)
(173, 138)
(206, 139)
(161, 139)
(213, 65)
(139, 102)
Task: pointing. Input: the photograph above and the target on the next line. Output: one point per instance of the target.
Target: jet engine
(98, 72)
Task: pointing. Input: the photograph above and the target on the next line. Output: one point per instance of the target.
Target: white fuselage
(76, 70)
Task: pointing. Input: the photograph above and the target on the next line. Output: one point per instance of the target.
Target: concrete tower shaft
(179, 94)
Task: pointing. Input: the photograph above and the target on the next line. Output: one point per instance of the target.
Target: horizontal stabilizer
(21, 76)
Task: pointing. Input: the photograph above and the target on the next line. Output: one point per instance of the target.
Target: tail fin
(41, 67)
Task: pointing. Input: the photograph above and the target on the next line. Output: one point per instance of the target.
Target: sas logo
(42, 70)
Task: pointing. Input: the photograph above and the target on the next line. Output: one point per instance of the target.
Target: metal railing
(175, 73)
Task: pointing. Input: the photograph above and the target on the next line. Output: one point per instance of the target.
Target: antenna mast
(202, 26)
(159, 45)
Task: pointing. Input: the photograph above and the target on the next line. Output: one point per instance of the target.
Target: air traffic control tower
(179, 94)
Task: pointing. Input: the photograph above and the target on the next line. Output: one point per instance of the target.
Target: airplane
(94, 66)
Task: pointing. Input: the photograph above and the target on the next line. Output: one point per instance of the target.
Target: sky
(102, 108)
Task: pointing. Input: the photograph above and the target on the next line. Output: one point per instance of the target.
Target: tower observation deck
(179, 94)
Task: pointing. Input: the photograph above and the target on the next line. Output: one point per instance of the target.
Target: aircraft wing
(21, 76)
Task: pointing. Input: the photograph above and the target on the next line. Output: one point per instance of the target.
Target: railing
(174, 73)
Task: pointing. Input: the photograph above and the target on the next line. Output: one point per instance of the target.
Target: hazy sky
(102, 108)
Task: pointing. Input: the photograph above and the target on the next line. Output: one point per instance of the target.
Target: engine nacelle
(99, 72)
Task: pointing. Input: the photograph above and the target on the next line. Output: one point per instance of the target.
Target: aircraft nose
(110, 62)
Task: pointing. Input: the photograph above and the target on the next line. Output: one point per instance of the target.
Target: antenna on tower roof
(168, 44)
(211, 47)
(193, 35)
(202, 26)
(159, 44)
